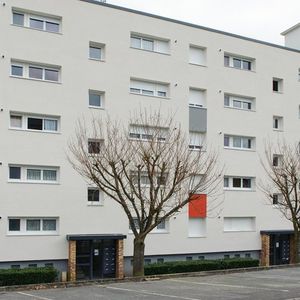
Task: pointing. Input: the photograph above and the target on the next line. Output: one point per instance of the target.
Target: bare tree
(282, 166)
(150, 172)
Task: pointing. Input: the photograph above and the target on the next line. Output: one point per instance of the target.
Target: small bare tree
(150, 172)
(282, 166)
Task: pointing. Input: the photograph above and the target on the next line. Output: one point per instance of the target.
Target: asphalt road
(272, 285)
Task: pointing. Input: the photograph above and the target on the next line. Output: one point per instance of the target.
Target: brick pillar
(265, 250)
(72, 261)
(119, 259)
(292, 250)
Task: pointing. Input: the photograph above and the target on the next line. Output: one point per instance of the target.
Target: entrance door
(279, 249)
(95, 259)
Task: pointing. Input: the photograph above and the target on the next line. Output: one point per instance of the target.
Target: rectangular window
(277, 123)
(149, 88)
(33, 174)
(32, 225)
(93, 195)
(276, 160)
(197, 227)
(96, 98)
(239, 224)
(238, 183)
(238, 62)
(239, 102)
(40, 123)
(197, 98)
(96, 51)
(94, 146)
(277, 85)
(196, 140)
(197, 55)
(147, 133)
(36, 21)
(36, 72)
(239, 142)
(152, 44)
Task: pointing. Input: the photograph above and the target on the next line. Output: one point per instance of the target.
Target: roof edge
(290, 29)
(191, 25)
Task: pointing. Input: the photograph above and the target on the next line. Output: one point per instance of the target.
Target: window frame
(100, 202)
(23, 226)
(231, 145)
(140, 134)
(242, 99)
(228, 183)
(229, 60)
(101, 94)
(133, 89)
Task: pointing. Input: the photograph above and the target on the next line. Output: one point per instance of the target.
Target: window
(276, 160)
(197, 55)
(238, 183)
(96, 99)
(239, 224)
(149, 88)
(147, 261)
(96, 51)
(48, 265)
(162, 227)
(94, 196)
(197, 227)
(196, 140)
(147, 133)
(277, 123)
(201, 257)
(32, 225)
(247, 255)
(33, 174)
(189, 258)
(277, 199)
(226, 256)
(238, 102)
(239, 142)
(143, 179)
(160, 260)
(238, 62)
(94, 146)
(36, 72)
(32, 265)
(15, 267)
(36, 21)
(147, 43)
(237, 255)
(277, 85)
(197, 98)
(36, 123)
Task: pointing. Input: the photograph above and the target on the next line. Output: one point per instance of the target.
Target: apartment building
(65, 60)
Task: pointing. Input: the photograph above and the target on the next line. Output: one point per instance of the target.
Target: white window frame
(243, 139)
(101, 197)
(233, 57)
(230, 187)
(38, 16)
(279, 123)
(24, 122)
(253, 221)
(156, 90)
(279, 83)
(102, 98)
(44, 67)
(157, 230)
(24, 179)
(140, 133)
(196, 145)
(97, 46)
(154, 40)
(202, 96)
(243, 100)
(23, 229)
(203, 53)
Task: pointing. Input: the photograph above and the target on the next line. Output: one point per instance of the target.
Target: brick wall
(72, 261)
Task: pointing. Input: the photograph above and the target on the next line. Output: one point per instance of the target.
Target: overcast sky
(259, 19)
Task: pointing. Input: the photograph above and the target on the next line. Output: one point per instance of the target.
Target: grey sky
(259, 19)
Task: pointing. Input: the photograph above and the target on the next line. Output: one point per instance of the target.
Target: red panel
(197, 206)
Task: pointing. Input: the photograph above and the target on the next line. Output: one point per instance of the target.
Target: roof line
(190, 25)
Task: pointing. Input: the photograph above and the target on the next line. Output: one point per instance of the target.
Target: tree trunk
(138, 257)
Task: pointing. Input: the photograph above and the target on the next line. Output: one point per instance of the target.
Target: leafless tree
(282, 166)
(150, 172)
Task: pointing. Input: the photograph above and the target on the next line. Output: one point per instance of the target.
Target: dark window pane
(49, 225)
(15, 266)
(275, 161)
(16, 70)
(226, 141)
(94, 99)
(236, 182)
(37, 24)
(14, 172)
(53, 27)
(237, 63)
(94, 147)
(246, 65)
(51, 75)
(35, 124)
(226, 61)
(275, 199)
(275, 86)
(93, 195)
(35, 73)
(95, 52)
(18, 19)
(32, 265)
(14, 225)
(247, 183)
(33, 225)
(226, 100)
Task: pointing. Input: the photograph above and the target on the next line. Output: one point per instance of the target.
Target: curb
(69, 284)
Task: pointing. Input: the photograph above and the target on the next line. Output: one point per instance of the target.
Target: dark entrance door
(95, 259)
(279, 249)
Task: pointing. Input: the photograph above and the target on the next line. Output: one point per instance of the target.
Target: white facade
(60, 70)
